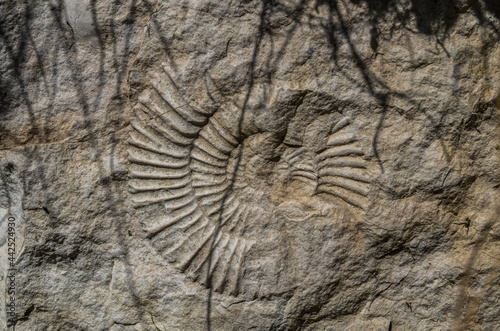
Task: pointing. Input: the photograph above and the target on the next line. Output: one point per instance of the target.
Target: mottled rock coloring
(251, 165)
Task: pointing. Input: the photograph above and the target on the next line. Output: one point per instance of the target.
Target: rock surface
(251, 165)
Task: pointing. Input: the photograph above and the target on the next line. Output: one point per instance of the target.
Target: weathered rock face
(261, 165)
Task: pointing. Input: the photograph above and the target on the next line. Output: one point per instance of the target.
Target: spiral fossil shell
(206, 186)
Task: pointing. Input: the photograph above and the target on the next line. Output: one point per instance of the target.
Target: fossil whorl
(335, 168)
(186, 169)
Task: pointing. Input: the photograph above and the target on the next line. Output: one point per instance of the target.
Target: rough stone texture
(252, 165)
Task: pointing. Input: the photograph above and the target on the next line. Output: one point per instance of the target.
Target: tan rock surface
(252, 165)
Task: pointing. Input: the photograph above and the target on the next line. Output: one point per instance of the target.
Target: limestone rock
(251, 165)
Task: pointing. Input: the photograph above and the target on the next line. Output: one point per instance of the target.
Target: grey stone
(251, 165)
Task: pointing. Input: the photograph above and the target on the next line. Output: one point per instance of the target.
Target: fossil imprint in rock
(206, 182)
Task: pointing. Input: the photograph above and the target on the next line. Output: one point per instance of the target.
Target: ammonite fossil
(206, 180)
